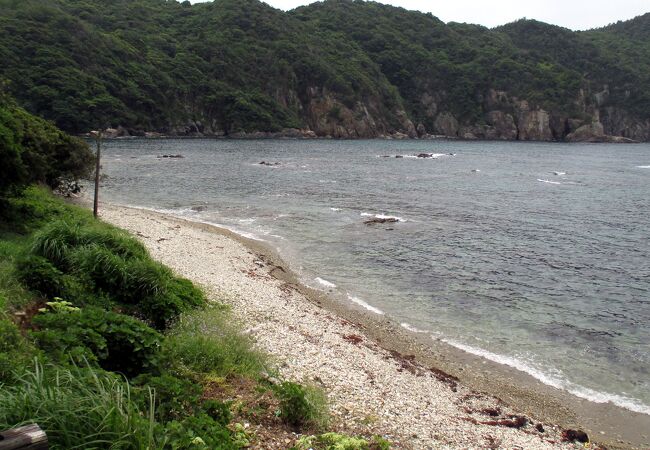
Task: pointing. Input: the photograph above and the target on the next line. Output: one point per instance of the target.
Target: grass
(78, 408)
(207, 341)
(302, 406)
(13, 294)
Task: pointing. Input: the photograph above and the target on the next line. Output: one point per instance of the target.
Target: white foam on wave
(335, 209)
(183, 214)
(555, 381)
(548, 181)
(411, 328)
(325, 283)
(382, 216)
(365, 305)
(559, 173)
(430, 156)
(643, 167)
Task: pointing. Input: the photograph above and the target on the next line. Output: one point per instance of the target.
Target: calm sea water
(535, 255)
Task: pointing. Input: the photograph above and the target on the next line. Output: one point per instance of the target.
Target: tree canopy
(240, 65)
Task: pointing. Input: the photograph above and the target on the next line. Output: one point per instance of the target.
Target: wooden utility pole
(98, 136)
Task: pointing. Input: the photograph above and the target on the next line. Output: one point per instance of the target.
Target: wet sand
(378, 374)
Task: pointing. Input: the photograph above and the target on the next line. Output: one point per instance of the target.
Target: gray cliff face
(510, 118)
(504, 118)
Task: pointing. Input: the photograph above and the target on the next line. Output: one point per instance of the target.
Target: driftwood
(29, 437)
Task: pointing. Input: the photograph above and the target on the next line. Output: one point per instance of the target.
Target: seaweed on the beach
(574, 435)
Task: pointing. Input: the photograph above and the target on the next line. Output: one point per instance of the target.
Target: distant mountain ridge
(338, 68)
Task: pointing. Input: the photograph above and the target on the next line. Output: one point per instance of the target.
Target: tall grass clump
(78, 408)
(302, 405)
(117, 265)
(208, 341)
(56, 241)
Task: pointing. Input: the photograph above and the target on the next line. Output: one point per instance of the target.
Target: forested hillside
(339, 68)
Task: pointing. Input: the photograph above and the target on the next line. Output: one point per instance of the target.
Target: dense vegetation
(34, 151)
(239, 65)
(106, 348)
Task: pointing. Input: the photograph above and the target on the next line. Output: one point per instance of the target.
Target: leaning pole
(98, 136)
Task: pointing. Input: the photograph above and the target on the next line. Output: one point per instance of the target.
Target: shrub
(175, 398)
(78, 408)
(219, 411)
(179, 296)
(207, 341)
(302, 405)
(199, 432)
(117, 342)
(335, 441)
(39, 275)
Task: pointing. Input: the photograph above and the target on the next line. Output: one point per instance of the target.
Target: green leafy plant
(219, 411)
(116, 342)
(335, 441)
(40, 275)
(199, 432)
(59, 306)
(175, 398)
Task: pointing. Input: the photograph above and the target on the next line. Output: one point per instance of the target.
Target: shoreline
(495, 384)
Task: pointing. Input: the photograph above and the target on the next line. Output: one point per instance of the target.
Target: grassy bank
(106, 348)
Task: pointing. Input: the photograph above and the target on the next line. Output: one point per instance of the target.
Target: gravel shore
(371, 390)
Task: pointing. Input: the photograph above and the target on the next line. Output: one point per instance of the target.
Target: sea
(533, 255)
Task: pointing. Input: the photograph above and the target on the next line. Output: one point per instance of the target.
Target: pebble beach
(371, 390)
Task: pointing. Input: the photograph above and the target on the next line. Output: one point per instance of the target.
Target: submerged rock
(381, 220)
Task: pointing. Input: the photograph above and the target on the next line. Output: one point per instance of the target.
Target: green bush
(116, 342)
(302, 405)
(207, 341)
(78, 409)
(219, 411)
(34, 151)
(40, 275)
(179, 296)
(175, 398)
(335, 441)
(199, 432)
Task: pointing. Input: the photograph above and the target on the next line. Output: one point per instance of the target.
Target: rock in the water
(425, 155)
(264, 163)
(381, 220)
(171, 156)
(199, 208)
